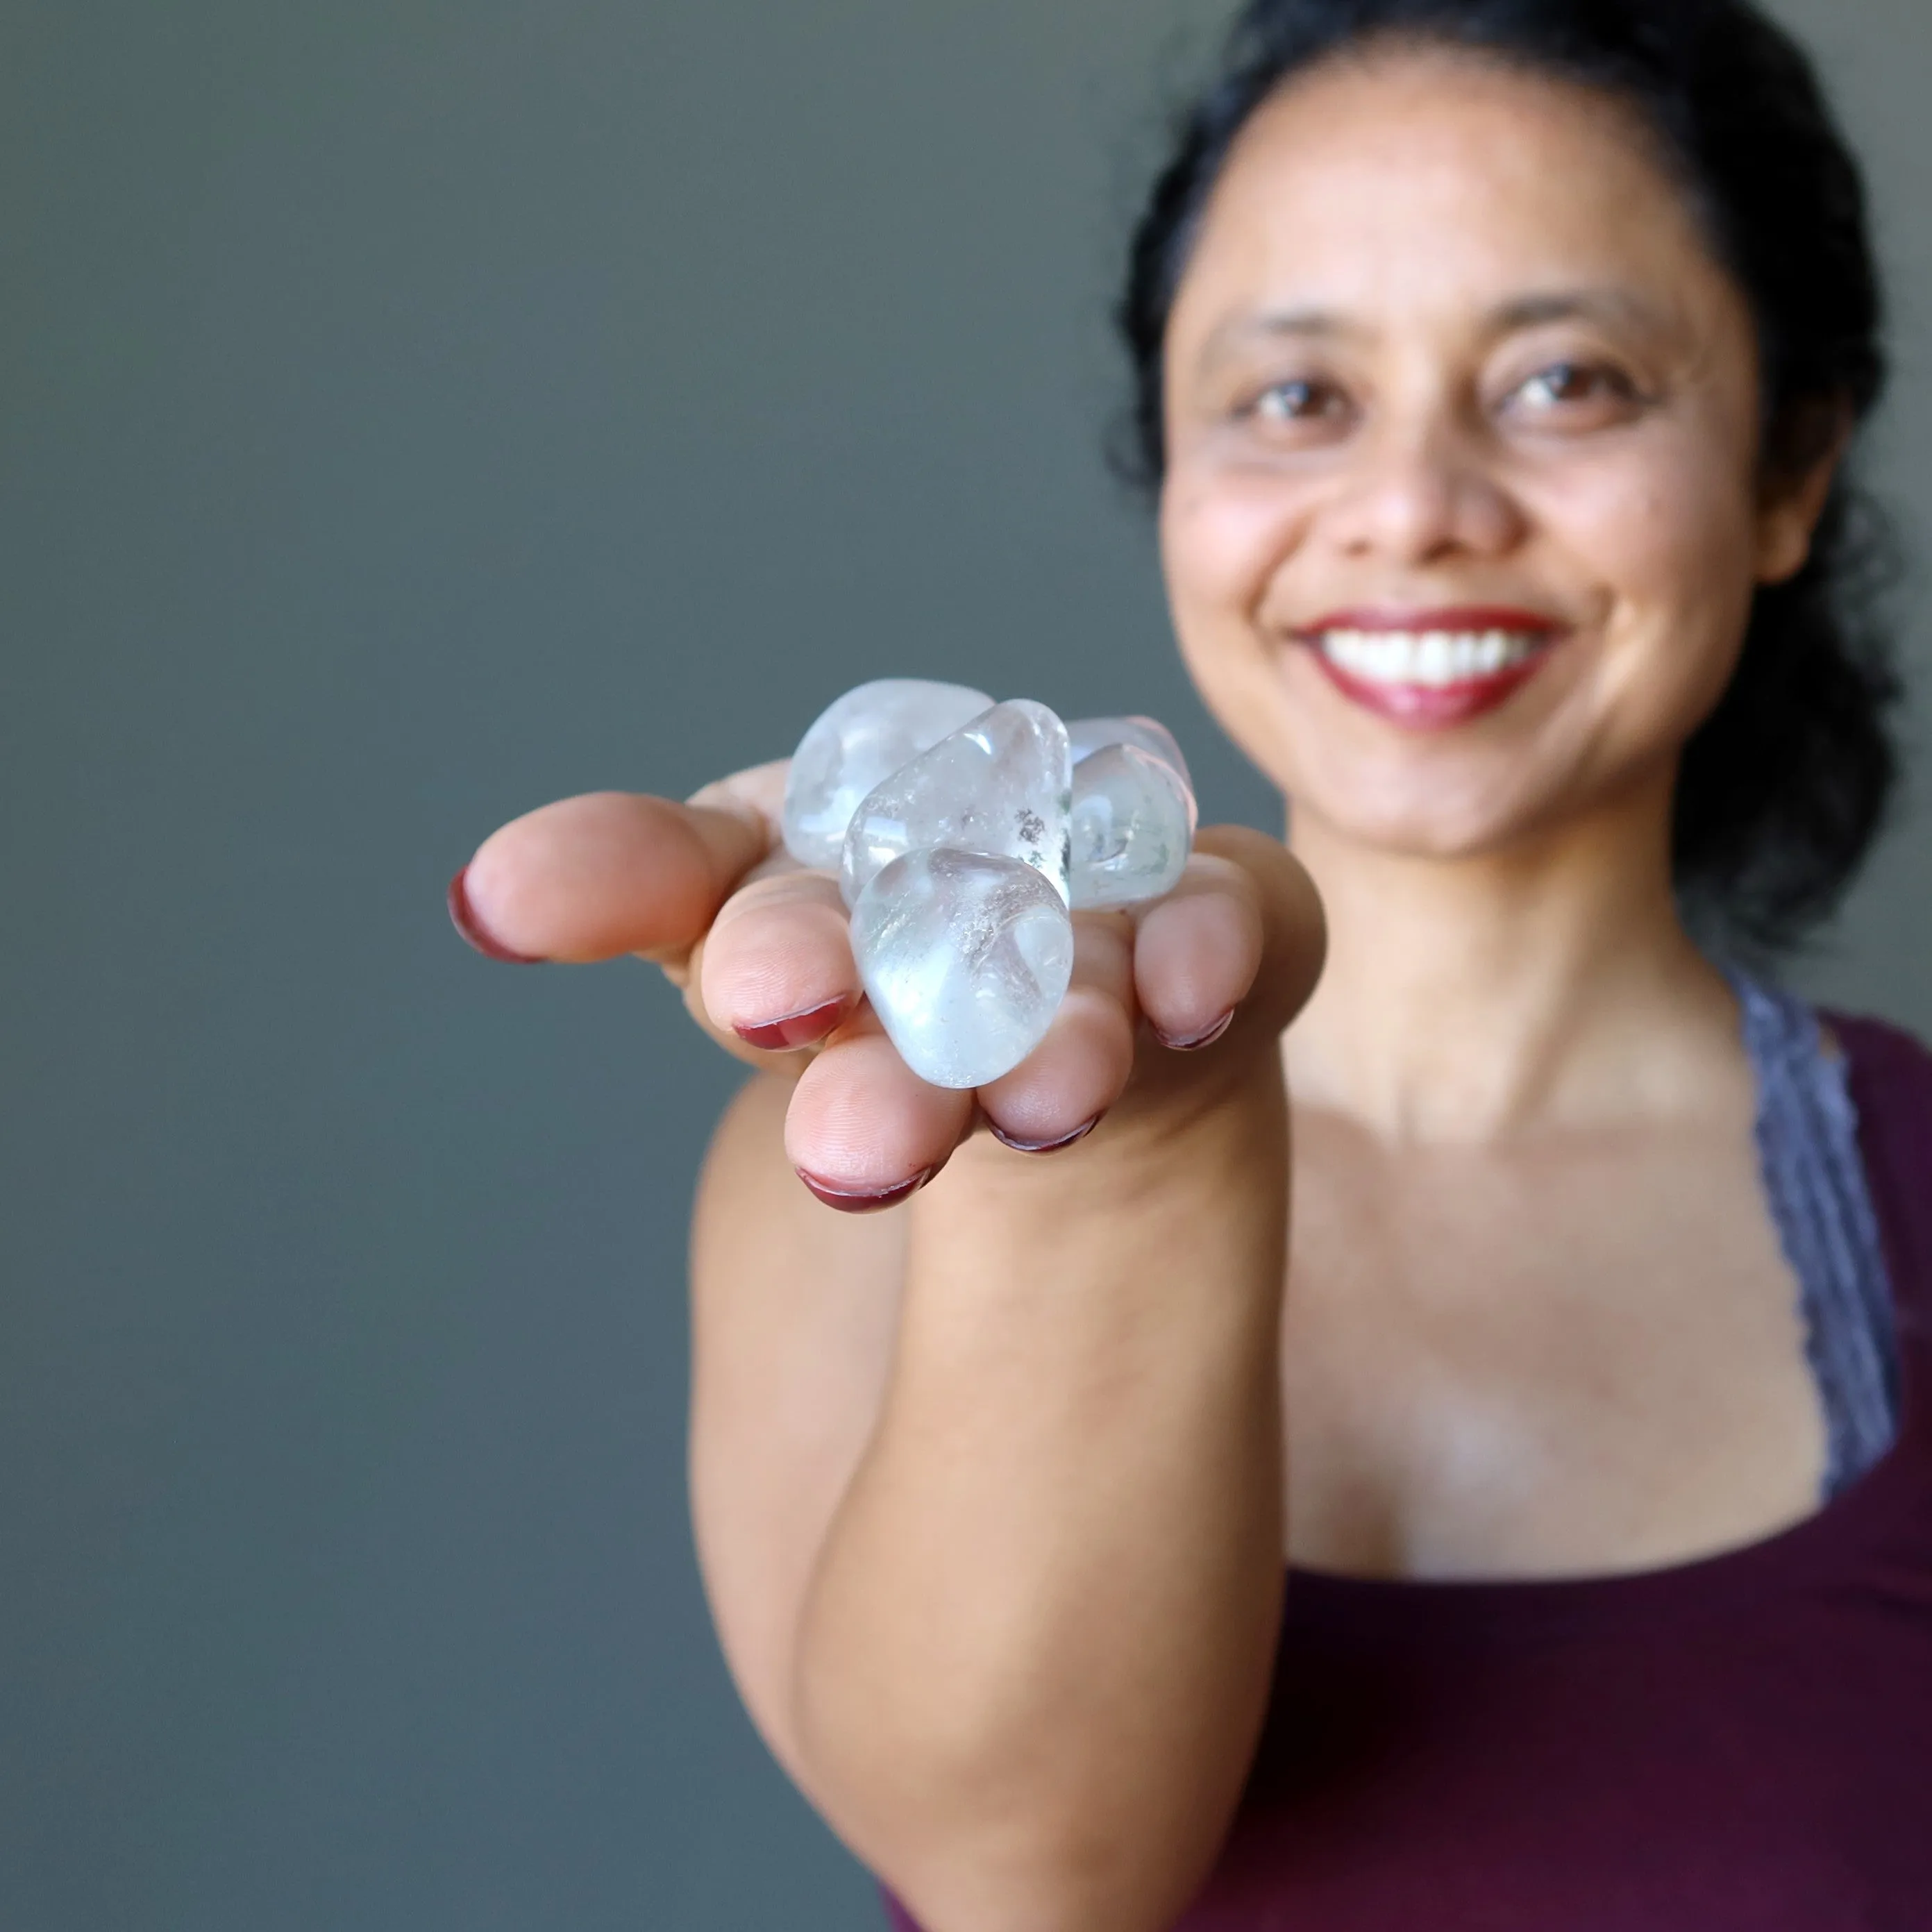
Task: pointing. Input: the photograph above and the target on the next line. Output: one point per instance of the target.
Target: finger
(863, 1130)
(776, 968)
(1243, 931)
(593, 877)
(1056, 1096)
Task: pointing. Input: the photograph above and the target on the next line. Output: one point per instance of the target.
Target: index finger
(609, 873)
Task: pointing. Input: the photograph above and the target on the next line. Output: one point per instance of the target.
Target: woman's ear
(1804, 456)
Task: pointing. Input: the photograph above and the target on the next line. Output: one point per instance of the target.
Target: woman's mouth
(1427, 670)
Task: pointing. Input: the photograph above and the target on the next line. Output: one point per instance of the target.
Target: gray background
(410, 411)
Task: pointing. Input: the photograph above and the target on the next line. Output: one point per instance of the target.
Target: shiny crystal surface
(1089, 735)
(1003, 785)
(1132, 830)
(966, 957)
(862, 738)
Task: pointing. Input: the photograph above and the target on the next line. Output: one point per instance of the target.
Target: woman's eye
(1298, 401)
(1570, 384)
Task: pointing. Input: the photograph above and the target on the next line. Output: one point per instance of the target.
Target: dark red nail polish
(1200, 1039)
(796, 1029)
(858, 1201)
(463, 916)
(1078, 1134)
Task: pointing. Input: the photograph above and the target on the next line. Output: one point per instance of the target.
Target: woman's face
(1462, 516)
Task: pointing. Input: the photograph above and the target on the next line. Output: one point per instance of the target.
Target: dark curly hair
(1784, 787)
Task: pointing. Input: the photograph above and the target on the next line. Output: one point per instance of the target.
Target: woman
(1521, 1531)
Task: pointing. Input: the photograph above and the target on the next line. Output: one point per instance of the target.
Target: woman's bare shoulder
(794, 1317)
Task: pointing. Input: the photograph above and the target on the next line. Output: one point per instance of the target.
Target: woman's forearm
(1034, 1655)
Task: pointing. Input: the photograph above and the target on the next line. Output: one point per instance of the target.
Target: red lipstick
(1429, 707)
(1424, 707)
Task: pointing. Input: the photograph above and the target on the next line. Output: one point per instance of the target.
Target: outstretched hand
(760, 947)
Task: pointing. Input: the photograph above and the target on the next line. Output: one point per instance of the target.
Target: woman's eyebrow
(1239, 331)
(1587, 304)
(1607, 304)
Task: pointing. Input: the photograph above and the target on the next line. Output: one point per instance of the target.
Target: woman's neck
(1468, 999)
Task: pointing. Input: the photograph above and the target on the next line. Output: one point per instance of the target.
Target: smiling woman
(1534, 1527)
(1758, 264)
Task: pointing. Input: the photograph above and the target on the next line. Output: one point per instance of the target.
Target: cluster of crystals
(964, 833)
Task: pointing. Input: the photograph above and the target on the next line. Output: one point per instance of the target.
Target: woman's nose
(1422, 495)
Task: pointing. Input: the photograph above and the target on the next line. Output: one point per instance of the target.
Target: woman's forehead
(1421, 180)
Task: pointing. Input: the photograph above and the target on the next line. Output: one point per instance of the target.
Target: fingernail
(1200, 1039)
(861, 1200)
(463, 916)
(1078, 1134)
(795, 1029)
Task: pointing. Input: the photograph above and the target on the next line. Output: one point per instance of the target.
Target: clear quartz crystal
(1133, 827)
(1089, 735)
(966, 957)
(862, 738)
(1002, 785)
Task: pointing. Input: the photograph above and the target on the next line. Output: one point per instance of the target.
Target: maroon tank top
(1742, 1743)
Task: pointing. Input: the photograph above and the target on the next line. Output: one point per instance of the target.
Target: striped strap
(1815, 1184)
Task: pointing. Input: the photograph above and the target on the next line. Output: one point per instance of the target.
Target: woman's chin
(1444, 835)
(1440, 800)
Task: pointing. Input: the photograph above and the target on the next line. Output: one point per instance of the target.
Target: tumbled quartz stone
(1004, 784)
(864, 737)
(965, 957)
(1133, 827)
(1089, 735)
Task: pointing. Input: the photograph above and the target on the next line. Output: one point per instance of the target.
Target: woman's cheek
(1669, 540)
(1224, 538)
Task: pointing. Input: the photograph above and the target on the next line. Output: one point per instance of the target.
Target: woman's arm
(988, 1488)
(794, 1318)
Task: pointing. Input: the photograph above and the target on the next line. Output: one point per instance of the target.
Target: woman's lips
(1426, 670)
(1427, 707)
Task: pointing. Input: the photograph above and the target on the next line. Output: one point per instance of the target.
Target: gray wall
(410, 411)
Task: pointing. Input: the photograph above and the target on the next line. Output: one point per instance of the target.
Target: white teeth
(1436, 657)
